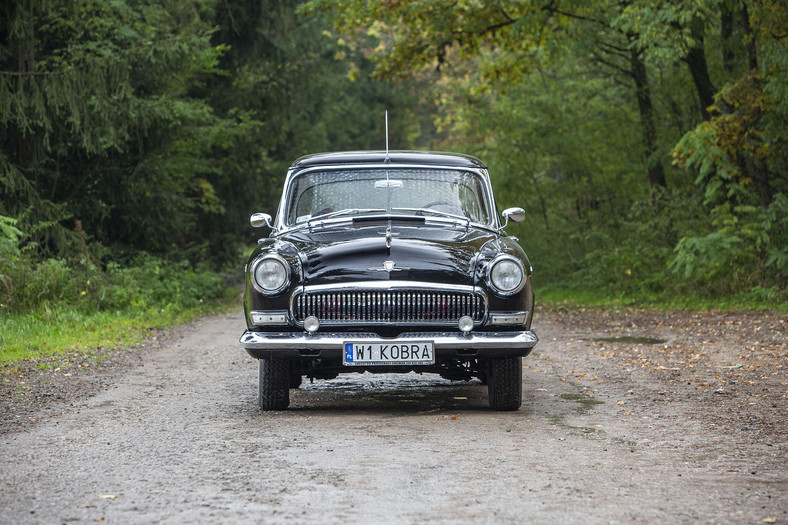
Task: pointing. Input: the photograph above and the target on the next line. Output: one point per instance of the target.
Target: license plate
(410, 353)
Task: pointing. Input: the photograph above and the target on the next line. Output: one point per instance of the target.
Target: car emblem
(388, 266)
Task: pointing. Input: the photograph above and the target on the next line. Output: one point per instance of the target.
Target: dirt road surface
(627, 418)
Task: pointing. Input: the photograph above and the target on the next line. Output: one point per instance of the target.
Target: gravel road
(688, 426)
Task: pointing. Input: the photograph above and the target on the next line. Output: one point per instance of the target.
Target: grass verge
(758, 299)
(62, 329)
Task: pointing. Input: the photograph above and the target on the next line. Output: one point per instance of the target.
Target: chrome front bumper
(264, 345)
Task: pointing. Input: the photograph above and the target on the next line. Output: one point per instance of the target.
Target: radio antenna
(387, 136)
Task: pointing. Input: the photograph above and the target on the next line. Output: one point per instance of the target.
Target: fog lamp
(466, 324)
(311, 324)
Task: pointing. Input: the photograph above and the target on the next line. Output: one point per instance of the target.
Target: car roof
(422, 158)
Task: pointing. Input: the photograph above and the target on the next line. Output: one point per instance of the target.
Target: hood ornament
(388, 237)
(388, 266)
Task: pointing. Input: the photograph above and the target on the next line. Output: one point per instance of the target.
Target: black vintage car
(388, 262)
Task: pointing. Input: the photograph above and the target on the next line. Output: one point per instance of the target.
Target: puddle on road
(630, 340)
(586, 403)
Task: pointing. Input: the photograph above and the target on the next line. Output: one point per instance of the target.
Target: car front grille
(399, 306)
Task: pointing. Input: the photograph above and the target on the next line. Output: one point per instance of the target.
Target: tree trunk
(726, 36)
(656, 174)
(699, 69)
(752, 52)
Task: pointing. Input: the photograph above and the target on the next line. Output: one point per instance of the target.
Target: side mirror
(513, 214)
(258, 220)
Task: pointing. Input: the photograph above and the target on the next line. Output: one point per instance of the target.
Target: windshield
(403, 191)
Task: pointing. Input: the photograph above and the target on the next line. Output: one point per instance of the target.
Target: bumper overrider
(329, 345)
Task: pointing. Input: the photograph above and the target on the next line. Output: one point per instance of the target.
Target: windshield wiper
(438, 213)
(417, 212)
(348, 211)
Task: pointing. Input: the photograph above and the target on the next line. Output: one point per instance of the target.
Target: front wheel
(505, 383)
(274, 384)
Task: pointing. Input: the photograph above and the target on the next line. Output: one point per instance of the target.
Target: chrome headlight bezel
(491, 277)
(282, 281)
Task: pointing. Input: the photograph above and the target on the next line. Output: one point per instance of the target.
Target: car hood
(427, 254)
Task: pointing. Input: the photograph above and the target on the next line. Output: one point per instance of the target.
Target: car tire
(505, 383)
(274, 387)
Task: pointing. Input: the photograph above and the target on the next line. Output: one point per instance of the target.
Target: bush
(148, 282)
(9, 252)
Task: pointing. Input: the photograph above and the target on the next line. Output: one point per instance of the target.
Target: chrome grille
(399, 306)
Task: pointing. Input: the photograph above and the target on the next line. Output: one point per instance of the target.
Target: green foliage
(9, 248)
(58, 329)
(10, 236)
(775, 235)
(748, 247)
(739, 159)
(571, 104)
(426, 34)
(98, 125)
(667, 29)
(158, 127)
(147, 282)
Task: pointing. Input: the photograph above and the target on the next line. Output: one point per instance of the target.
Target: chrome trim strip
(334, 340)
(387, 286)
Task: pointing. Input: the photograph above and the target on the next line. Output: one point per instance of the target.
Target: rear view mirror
(513, 214)
(258, 220)
(388, 183)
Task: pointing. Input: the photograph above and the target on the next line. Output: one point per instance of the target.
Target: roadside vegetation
(52, 306)
(645, 139)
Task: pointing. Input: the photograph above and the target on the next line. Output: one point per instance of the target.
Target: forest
(647, 140)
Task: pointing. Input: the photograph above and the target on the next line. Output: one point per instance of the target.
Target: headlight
(271, 274)
(507, 275)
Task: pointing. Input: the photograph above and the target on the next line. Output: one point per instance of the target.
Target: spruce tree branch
(42, 73)
(99, 59)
